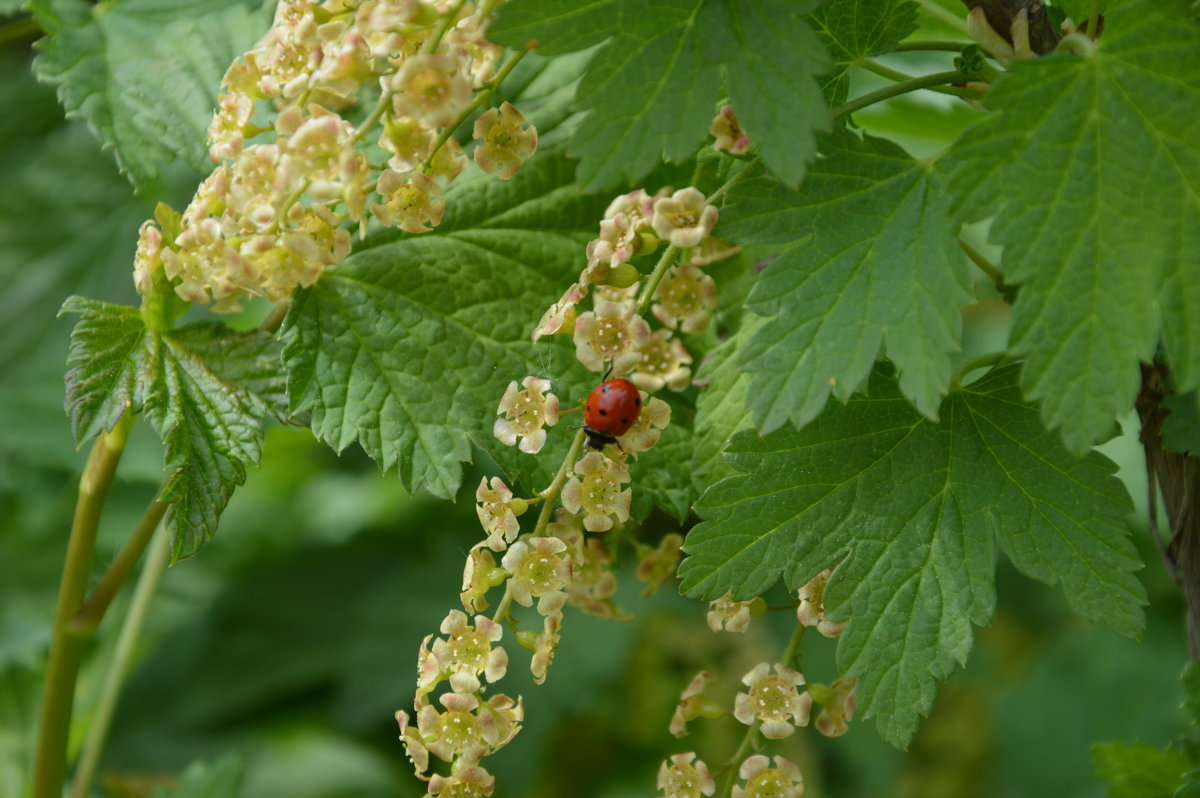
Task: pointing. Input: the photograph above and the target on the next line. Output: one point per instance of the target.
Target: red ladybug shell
(611, 409)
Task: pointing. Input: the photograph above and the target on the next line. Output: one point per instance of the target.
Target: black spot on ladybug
(604, 412)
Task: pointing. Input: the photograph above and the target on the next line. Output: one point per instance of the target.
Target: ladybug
(611, 409)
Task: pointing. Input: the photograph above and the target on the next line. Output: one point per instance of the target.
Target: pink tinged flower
(545, 645)
(466, 651)
(683, 219)
(503, 145)
(409, 141)
(448, 162)
(560, 317)
(498, 511)
(728, 133)
(414, 745)
(692, 704)
(457, 732)
(228, 129)
(684, 776)
(480, 575)
(410, 202)
(647, 427)
(524, 413)
(727, 614)
(596, 490)
(665, 363)
(148, 260)
(539, 570)
(685, 298)
(837, 706)
(501, 717)
(762, 781)
(429, 672)
(612, 333)
(470, 782)
(430, 88)
(811, 611)
(658, 565)
(773, 700)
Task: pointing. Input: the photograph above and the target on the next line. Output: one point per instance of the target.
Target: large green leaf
(557, 26)
(854, 29)
(911, 513)
(407, 346)
(1140, 771)
(204, 389)
(144, 74)
(1090, 165)
(872, 267)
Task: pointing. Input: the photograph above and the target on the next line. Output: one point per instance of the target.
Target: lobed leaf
(855, 29)
(204, 389)
(911, 513)
(1090, 166)
(871, 268)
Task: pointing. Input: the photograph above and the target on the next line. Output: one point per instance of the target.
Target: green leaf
(1140, 771)
(406, 347)
(221, 779)
(872, 269)
(144, 74)
(204, 389)
(721, 407)
(855, 29)
(911, 513)
(1181, 429)
(662, 476)
(771, 58)
(558, 26)
(1090, 165)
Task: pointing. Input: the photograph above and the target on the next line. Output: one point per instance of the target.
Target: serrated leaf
(144, 74)
(558, 26)
(204, 389)
(721, 406)
(1140, 771)
(220, 779)
(406, 346)
(663, 477)
(855, 29)
(911, 513)
(872, 269)
(1090, 165)
(770, 58)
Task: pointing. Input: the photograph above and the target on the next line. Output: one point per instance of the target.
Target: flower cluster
(293, 175)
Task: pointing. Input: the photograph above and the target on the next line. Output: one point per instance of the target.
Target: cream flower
(692, 704)
(430, 88)
(480, 575)
(596, 489)
(457, 732)
(665, 363)
(811, 611)
(683, 219)
(647, 427)
(470, 782)
(612, 333)
(684, 776)
(148, 260)
(414, 746)
(728, 133)
(467, 651)
(782, 781)
(837, 702)
(539, 570)
(524, 413)
(658, 565)
(593, 584)
(560, 317)
(545, 645)
(411, 202)
(685, 297)
(725, 613)
(498, 511)
(503, 144)
(774, 700)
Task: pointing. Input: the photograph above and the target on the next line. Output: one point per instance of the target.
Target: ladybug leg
(607, 372)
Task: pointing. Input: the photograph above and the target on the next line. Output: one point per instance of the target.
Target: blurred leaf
(557, 26)
(1083, 160)
(202, 387)
(1181, 429)
(872, 268)
(221, 779)
(1139, 770)
(911, 513)
(145, 73)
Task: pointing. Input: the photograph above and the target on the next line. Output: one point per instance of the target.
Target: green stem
(984, 265)
(894, 74)
(550, 494)
(274, 319)
(1093, 22)
(431, 44)
(19, 29)
(920, 45)
(66, 647)
(942, 15)
(385, 100)
(974, 364)
(751, 166)
(92, 612)
(93, 745)
(660, 269)
(896, 89)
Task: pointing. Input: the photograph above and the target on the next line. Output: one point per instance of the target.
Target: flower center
(771, 698)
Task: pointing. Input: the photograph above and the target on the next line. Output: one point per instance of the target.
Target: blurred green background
(292, 639)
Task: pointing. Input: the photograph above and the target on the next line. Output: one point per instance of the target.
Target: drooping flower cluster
(293, 174)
